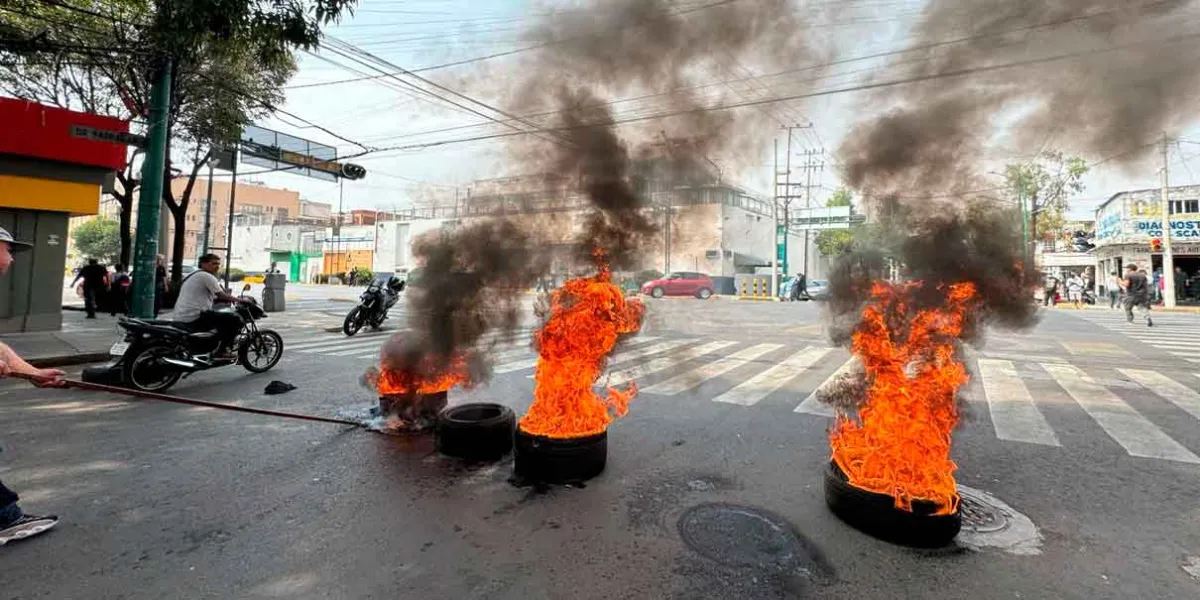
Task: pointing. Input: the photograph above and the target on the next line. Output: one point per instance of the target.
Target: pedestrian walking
(1137, 294)
(1113, 287)
(118, 292)
(95, 281)
(160, 283)
(1075, 290)
(1050, 296)
(15, 524)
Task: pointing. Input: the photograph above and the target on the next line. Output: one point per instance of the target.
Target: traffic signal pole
(150, 196)
(1168, 260)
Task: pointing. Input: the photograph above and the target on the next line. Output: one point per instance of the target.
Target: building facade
(54, 164)
(1129, 224)
(253, 204)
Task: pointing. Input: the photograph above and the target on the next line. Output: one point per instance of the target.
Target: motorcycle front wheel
(258, 354)
(353, 322)
(144, 369)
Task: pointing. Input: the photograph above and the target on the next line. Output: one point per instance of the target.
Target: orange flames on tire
(394, 382)
(900, 443)
(586, 317)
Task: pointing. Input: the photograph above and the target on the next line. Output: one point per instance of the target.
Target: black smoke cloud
(1121, 74)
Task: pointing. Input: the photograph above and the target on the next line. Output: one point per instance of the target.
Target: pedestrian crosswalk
(1178, 334)
(1018, 394)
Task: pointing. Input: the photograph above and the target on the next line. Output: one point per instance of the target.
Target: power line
(855, 88)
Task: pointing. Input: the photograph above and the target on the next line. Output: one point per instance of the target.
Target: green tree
(230, 59)
(1046, 185)
(834, 242)
(99, 238)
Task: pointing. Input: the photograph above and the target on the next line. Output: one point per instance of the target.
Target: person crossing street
(1137, 294)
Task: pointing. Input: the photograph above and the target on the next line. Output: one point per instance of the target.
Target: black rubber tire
(538, 459)
(704, 293)
(877, 515)
(658, 292)
(244, 352)
(352, 324)
(477, 432)
(137, 359)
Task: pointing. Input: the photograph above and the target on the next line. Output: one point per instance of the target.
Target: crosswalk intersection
(771, 375)
(1176, 334)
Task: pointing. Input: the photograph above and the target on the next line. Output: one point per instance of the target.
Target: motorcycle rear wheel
(353, 322)
(144, 371)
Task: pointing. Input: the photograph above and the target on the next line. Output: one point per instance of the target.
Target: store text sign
(1182, 228)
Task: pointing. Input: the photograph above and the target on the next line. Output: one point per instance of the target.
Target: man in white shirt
(194, 305)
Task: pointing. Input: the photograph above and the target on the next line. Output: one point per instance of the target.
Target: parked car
(680, 283)
(818, 289)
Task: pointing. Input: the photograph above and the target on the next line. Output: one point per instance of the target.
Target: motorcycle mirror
(246, 288)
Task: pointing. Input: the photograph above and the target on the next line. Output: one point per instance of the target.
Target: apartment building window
(1184, 206)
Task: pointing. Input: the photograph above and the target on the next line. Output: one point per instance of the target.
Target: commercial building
(54, 164)
(254, 204)
(1129, 228)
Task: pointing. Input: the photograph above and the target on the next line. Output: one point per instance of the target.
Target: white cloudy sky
(416, 34)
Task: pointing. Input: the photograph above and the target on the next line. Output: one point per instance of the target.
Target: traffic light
(352, 171)
(1156, 245)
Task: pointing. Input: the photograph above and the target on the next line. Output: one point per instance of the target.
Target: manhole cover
(740, 536)
(978, 514)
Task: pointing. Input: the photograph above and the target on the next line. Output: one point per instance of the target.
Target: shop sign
(1180, 228)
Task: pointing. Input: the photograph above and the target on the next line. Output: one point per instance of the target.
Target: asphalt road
(1087, 426)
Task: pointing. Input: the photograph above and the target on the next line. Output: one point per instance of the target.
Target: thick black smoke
(1103, 78)
(472, 283)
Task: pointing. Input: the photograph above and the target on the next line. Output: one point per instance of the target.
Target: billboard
(274, 150)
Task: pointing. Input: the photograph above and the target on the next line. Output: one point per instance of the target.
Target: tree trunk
(126, 219)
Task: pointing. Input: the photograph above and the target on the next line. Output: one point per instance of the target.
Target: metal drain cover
(741, 536)
(979, 515)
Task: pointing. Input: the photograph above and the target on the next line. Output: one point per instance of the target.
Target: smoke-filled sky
(422, 33)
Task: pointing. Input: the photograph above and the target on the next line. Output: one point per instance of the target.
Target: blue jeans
(9, 511)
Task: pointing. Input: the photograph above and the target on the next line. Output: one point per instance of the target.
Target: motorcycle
(155, 355)
(373, 305)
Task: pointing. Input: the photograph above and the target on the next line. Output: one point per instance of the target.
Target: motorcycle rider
(194, 306)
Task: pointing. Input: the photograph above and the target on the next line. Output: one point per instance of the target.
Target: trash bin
(272, 296)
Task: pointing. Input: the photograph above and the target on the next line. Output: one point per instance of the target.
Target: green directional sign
(781, 246)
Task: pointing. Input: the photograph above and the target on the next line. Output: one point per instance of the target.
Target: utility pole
(229, 225)
(150, 198)
(203, 246)
(1168, 261)
(775, 223)
(811, 163)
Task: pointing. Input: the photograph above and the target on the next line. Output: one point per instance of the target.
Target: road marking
(356, 345)
(1126, 426)
(1014, 415)
(1021, 357)
(340, 341)
(812, 405)
(1094, 348)
(1178, 394)
(764, 384)
(658, 364)
(509, 367)
(692, 379)
(628, 355)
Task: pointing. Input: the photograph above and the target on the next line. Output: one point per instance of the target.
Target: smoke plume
(1103, 78)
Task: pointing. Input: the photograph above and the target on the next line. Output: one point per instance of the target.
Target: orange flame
(900, 443)
(586, 317)
(421, 381)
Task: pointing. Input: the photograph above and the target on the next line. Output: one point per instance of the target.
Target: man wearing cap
(15, 524)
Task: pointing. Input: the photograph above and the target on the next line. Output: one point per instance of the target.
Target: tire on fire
(543, 459)
(877, 515)
(477, 432)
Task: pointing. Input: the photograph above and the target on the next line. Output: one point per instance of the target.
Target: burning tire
(877, 515)
(539, 459)
(477, 432)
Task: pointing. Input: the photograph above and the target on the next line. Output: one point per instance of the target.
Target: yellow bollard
(743, 288)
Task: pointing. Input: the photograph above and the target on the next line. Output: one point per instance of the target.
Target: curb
(69, 359)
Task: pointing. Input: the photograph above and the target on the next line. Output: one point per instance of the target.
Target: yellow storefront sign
(32, 193)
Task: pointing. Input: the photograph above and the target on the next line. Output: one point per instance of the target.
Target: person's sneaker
(27, 526)
(1149, 322)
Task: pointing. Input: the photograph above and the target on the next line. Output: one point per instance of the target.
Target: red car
(680, 283)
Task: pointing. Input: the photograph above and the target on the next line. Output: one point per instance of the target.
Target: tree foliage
(98, 238)
(229, 58)
(835, 242)
(1046, 185)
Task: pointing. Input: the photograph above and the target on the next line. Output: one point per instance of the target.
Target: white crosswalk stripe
(671, 359)
(812, 405)
(1176, 333)
(1014, 415)
(1178, 394)
(767, 382)
(691, 379)
(1136, 434)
